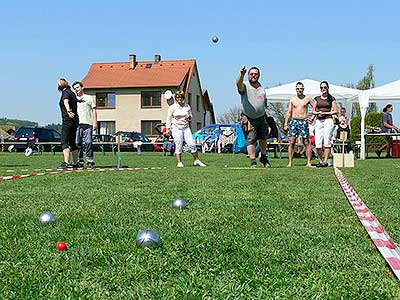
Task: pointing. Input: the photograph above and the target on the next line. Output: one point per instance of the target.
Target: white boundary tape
(381, 239)
(51, 172)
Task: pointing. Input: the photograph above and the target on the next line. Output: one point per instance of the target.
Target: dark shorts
(68, 135)
(298, 128)
(258, 130)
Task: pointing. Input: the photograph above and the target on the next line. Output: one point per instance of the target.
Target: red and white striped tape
(76, 171)
(27, 170)
(381, 239)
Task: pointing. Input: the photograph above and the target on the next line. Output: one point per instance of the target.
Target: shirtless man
(298, 125)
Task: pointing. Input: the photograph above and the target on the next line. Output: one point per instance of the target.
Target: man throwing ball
(254, 104)
(298, 125)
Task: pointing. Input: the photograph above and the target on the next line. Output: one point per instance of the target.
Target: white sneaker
(180, 165)
(197, 162)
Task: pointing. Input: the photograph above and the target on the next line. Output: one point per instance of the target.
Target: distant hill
(6, 124)
(17, 123)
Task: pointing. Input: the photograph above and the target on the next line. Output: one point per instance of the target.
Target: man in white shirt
(87, 124)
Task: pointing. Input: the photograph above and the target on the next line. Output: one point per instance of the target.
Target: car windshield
(25, 132)
(140, 137)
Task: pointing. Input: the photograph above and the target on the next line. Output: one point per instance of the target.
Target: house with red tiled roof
(130, 95)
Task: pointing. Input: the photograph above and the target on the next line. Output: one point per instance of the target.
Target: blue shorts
(298, 128)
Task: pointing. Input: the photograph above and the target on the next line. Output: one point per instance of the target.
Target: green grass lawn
(247, 234)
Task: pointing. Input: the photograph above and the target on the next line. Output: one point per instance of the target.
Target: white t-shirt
(85, 109)
(177, 116)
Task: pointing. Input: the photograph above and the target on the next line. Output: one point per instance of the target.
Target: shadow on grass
(10, 166)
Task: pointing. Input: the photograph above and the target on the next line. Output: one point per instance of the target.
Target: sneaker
(180, 165)
(90, 164)
(197, 162)
(64, 166)
(265, 161)
(253, 164)
(322, 165)
(378, 152)
(78, 165)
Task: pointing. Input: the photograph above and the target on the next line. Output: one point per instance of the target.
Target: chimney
(157, 58)
(132, 61)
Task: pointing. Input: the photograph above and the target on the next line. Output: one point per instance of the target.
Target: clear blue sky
(288, 40)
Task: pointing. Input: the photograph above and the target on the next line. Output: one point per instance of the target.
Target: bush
(355, 125)
(372, 120)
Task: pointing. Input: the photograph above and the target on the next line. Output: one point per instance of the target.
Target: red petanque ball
(61, 246)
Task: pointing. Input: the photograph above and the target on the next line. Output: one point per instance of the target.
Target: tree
(17, 123)
(54, 126)
(230, 116)
(366, 83)
(278, 111)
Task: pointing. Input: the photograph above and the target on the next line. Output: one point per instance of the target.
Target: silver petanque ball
(226, 166)
(47, 217)
(147, 238)
(179, 203)
(215, 39)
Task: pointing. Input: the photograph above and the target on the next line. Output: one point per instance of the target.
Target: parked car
(32, 135)
(133, 136)
(99, 138)
(102, 138)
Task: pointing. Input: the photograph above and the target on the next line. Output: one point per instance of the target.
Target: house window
(151, 99)
(198, 125)
(189, 99)
(198, 103)
(105, 100)
(148, 127)
(106, 127)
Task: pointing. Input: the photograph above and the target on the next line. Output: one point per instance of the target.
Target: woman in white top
(179, 115)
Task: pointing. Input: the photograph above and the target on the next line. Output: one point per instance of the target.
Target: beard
(253, 80)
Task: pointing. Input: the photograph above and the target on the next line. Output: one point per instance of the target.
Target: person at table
(387, 127)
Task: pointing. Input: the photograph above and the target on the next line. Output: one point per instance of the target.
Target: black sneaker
(265, 161)
(78, 165)
(322, 165)
(253, 164)
(90, 164)
(64, 166)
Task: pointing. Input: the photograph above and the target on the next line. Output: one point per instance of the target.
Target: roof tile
(119, 75)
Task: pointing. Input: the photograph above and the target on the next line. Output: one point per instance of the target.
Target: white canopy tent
(385, 93)
(283, 93)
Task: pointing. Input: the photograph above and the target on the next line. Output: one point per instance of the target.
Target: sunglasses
(323, 87)
(299, 89)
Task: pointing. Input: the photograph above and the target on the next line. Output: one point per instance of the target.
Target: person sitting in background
(343, 127)
(387, 127)
(208, 142)
(226, 137)
(343, 114)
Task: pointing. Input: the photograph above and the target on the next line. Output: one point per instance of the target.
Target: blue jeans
(84, 142)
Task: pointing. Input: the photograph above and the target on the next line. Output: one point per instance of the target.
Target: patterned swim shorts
(298, 127)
